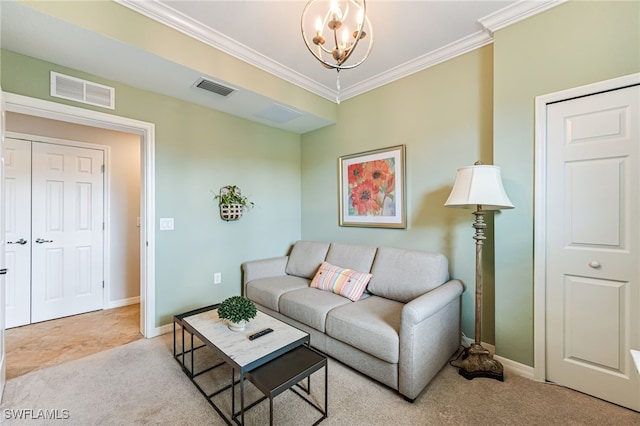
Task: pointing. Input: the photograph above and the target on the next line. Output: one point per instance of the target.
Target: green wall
(573, 44)
(443, 116)
(198, 150)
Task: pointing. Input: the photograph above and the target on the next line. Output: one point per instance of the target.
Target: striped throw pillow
(342, 281)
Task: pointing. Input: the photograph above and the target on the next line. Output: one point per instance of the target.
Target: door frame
(106, 198)
(540, 205)
(55, 111)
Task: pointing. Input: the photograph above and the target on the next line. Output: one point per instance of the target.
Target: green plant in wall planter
(232, 203)
(237, 310)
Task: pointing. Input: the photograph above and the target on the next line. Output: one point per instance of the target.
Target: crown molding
(515, 13)
(457, 48)
(178, 21)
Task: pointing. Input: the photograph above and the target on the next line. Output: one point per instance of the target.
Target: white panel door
(593, 229)
(17, 165)
(67, 231)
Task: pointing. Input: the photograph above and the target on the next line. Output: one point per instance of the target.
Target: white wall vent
(87, 92)
(214, 87)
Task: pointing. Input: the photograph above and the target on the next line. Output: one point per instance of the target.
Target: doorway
(146, 132)
(587, 278)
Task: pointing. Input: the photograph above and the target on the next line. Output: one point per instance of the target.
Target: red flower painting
(371, 187)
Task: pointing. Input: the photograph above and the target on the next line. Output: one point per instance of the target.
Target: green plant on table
(236, 309)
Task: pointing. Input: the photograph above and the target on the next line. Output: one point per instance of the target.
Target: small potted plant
(237, 310)
(232, 203)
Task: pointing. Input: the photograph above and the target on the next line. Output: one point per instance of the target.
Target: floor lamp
(480, 187)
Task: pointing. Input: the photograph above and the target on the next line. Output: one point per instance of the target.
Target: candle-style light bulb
(318, 26)
(335, 10)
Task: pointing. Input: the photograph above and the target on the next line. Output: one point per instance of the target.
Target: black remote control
(260, 333)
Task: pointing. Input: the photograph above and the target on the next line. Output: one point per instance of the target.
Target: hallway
(45, 344)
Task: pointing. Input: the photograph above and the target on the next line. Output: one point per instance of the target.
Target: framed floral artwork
(372, 188)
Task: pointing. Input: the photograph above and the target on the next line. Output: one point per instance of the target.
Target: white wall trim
(123, 302)
(164, 329)
(515, 13)
(540, 197)
(516, 368)
(55, 111)
(452, 50)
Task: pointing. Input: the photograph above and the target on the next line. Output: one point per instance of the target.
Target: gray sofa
(401, 332)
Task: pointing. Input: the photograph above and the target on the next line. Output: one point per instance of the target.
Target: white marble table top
(236, 344)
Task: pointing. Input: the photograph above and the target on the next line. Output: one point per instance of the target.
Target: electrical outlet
(217, 278)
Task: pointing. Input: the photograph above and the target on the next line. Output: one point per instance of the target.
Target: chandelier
(337, 29)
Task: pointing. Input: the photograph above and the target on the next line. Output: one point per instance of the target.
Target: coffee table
(244, 355)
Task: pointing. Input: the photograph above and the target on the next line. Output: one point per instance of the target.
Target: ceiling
(409, 36)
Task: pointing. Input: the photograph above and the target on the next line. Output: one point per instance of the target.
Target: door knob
(21, 241)
(594, 264)
(40, 241)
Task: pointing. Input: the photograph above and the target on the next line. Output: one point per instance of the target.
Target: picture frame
(372, 188)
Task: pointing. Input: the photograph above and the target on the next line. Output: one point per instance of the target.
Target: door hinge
(102, 168)
(102, 284)
(103, 226)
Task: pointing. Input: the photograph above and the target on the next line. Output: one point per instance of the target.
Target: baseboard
(516, 368)
(164, 329)
(511, 366)
(122, 302)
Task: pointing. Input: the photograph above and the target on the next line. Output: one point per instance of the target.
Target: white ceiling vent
(87, 92)
(214, 87)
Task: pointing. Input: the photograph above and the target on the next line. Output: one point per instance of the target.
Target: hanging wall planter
(232, 203)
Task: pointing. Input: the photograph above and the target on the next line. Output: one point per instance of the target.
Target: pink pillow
(342, 281)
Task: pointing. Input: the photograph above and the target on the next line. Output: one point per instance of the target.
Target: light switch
(166, 224)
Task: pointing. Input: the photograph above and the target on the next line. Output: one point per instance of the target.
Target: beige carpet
(141, 384)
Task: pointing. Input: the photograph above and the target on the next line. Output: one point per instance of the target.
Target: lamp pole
(476, 360)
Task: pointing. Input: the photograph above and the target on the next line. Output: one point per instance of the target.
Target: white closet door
(67, 231)
(593, 245)
(17, 165)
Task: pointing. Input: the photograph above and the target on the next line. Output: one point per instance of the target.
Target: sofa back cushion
(403, 275)
(305, 258)
(358, 258)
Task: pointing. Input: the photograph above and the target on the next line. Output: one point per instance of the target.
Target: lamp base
(478, 362)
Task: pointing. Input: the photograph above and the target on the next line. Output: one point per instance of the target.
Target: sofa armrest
(424, 306)
(264, 268)
(429, 336)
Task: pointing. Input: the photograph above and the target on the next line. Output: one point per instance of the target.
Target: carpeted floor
(141, 384)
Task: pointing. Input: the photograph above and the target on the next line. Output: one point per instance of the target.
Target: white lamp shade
(479, 185)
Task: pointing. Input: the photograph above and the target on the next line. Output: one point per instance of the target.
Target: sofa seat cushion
(310, 306)
(371, 325)
(267, 291)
